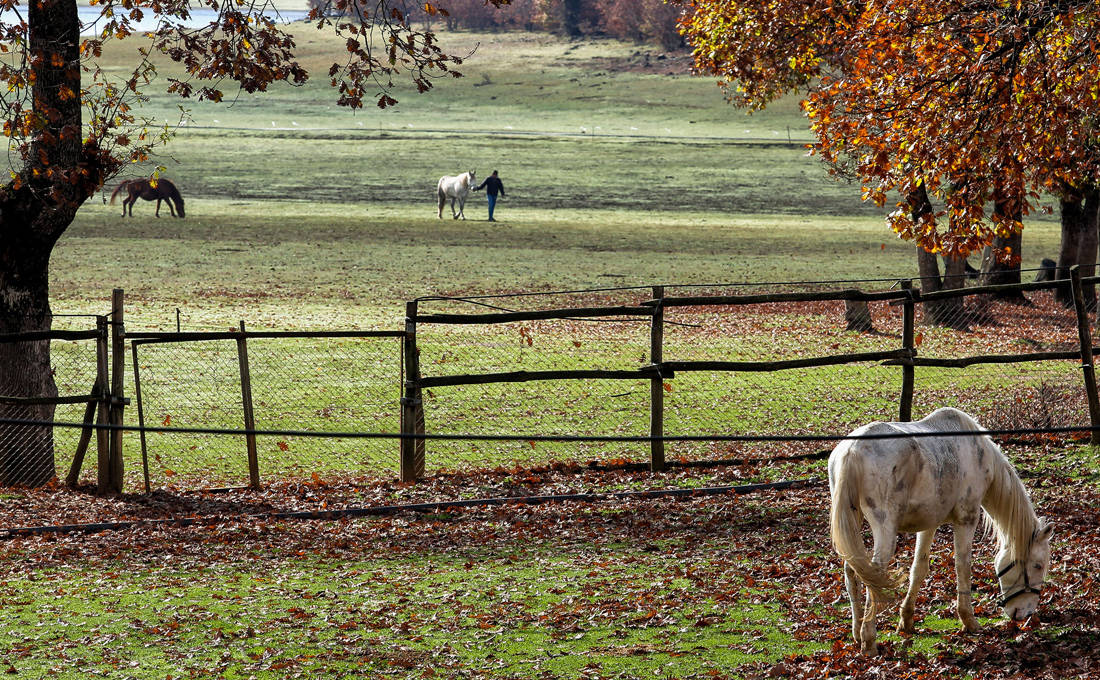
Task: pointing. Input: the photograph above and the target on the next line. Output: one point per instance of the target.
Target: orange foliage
(976, 102)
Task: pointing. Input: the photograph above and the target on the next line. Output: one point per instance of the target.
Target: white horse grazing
(915, 484)
(455, 188)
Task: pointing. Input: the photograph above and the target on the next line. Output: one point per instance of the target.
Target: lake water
(199, 17)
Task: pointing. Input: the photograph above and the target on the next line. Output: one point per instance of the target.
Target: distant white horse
(455, 188)
(915, 484)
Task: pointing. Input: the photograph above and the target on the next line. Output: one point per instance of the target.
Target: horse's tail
(115, 192)
(846, 524)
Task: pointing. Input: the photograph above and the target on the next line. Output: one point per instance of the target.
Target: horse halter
(1026, 588)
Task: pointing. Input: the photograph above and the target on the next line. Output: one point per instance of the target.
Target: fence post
(908, 373)
(73, 477)
(1085, 336)
(102, 435)
(412, 405)
(249, 416)
(118, 382)
(656, 385)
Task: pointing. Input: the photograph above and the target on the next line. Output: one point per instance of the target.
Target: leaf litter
(693, 587)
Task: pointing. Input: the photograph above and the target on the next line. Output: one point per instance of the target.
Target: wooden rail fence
(106, 401)
(906, 356)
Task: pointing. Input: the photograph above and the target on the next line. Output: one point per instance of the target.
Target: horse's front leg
(454, 215)
(964, 542)
(917, 573)
(852, 585)
(462, 208)
(886, 540)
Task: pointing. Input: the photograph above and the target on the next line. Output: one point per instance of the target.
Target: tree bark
(1001, 260)
(1071, 248)
(571, 11)
(58, 174)
(928, 267)
(941, 312)
(1090, 243)
(26, 452)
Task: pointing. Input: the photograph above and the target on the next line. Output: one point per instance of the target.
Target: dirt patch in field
(645, 61)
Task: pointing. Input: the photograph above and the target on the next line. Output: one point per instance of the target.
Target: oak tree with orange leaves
(71, 126)
(968, 110)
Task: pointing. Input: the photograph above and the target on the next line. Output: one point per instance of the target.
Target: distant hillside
(642, 21)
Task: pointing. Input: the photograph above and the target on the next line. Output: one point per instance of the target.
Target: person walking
(492, 186)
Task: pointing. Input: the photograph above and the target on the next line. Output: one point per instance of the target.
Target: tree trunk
(941, 312)
(1071, 248)
(571, 18)
(1001, 260)
(952, 311)
(928, 267)
(26, 452)
(59, 173)
(1090, 240)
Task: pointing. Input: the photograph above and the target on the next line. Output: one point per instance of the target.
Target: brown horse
(151, 190)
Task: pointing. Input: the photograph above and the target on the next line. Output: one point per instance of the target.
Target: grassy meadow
(302, 214)
(620, 170)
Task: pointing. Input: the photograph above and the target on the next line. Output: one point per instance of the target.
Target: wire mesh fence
(193, 384)
(1019, 383)
(330, 382)
(31, 454)
(746, 363)
(516, 380)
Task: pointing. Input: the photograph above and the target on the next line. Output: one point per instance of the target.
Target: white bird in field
(294, 123)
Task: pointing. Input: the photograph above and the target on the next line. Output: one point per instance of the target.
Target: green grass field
(331, 223)
(303, 216)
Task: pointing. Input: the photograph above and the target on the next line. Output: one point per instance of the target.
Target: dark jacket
(492, 186)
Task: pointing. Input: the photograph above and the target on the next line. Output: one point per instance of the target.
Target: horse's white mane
(1009, 513)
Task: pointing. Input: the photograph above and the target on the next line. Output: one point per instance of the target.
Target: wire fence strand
(739, 376)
